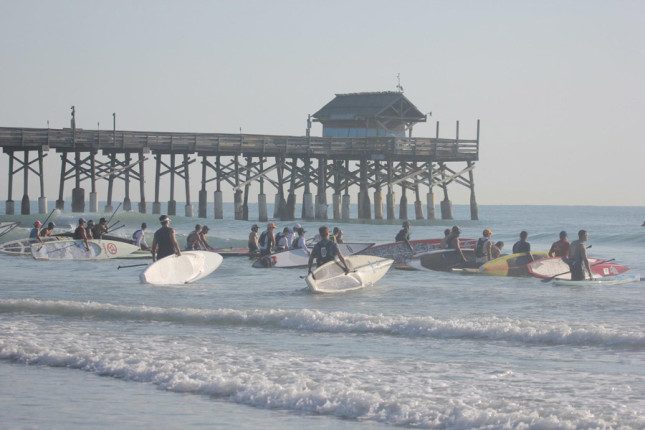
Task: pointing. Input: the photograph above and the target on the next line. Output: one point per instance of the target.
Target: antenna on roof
(398, 78)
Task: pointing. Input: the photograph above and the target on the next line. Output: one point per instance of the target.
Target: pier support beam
(346, 201)
(336, 206)
(218, 198)
(262, 208)
(42, 205)
(321, 196)
(78, 200)
(378, 204)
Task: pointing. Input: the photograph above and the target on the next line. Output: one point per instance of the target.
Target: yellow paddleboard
(512, 265)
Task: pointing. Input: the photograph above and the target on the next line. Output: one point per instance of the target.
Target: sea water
(85, 345)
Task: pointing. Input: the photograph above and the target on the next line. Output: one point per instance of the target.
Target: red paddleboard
(556, 267)
(399, 251)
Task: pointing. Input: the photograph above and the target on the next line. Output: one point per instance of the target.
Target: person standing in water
(326, 251)
(164, 242)
(561, 247)
(253, 238)
(578, 261)
(404, 235)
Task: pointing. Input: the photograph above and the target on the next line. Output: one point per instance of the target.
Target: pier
(384, 159)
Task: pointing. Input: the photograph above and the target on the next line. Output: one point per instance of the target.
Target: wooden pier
(238, 160)
(382, 158)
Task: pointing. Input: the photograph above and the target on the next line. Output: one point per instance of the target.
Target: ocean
(85, 345)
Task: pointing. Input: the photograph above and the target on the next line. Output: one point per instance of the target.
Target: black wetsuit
(325, 251)
(165, 246)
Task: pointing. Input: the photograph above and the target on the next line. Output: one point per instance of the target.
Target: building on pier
(367, 145)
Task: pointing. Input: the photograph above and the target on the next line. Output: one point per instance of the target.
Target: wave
(307, 320)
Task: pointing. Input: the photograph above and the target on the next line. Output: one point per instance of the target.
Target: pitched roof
(366, 105)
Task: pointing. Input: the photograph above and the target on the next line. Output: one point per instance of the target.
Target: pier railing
(394, 148)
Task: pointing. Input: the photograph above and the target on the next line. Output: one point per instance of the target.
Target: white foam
(484, 328)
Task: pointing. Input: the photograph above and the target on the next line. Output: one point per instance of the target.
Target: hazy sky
(557, 85)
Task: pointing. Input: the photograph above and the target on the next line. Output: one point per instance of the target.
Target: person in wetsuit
(164, 242)
(578, 260)
(81, 233)
(325, 251)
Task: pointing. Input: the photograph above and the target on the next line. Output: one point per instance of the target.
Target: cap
(488, 232)
(81, 220)
(144, 225)
(271, 225)
(38, 223)
(51, 225)
(164, 218)
(301, 230)
(255, 227)
(102, 220)
(563, 234)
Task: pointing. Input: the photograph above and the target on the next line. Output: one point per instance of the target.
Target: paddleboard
(443, 260)
(189, 267)
(21, 246)
(6, 227)
(609, 280)
(558, 268)
(300, 258)
(76, 250)
(236, 252)
(399, 251)
(365, 271)
(511, 265)
(70, 234)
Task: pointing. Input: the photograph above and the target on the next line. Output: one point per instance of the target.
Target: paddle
(50, 215)
(132, 265)
(117, 208)
(568, 271)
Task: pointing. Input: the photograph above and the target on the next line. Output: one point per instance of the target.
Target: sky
(557, 85)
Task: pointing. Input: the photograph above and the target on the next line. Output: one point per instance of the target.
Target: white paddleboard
(76, 250)
(189, 267)
(608, 280)
(21, 246)
(299, 258)
(365, 270)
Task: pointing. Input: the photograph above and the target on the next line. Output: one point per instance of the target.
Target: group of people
(269, 242)
(37, 233)
(574, 253)
(196, 240)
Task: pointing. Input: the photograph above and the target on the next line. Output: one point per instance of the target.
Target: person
(293, 235)
(81, 233)
(301, 242)
(523, 245)
(404, 235)
(325, 251)
(281, 239)
(267, 240)
(446, 238)
(561, 247)
(577, 259)
(139, 237)
(253, 238)
(484, 248)
(202, 237)
(164, 242)
(34, 234)
(47, 231)
(453, 242)
(88, 229)
(496, 250)
(338, 235)
(194, 240)
(100, 229)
